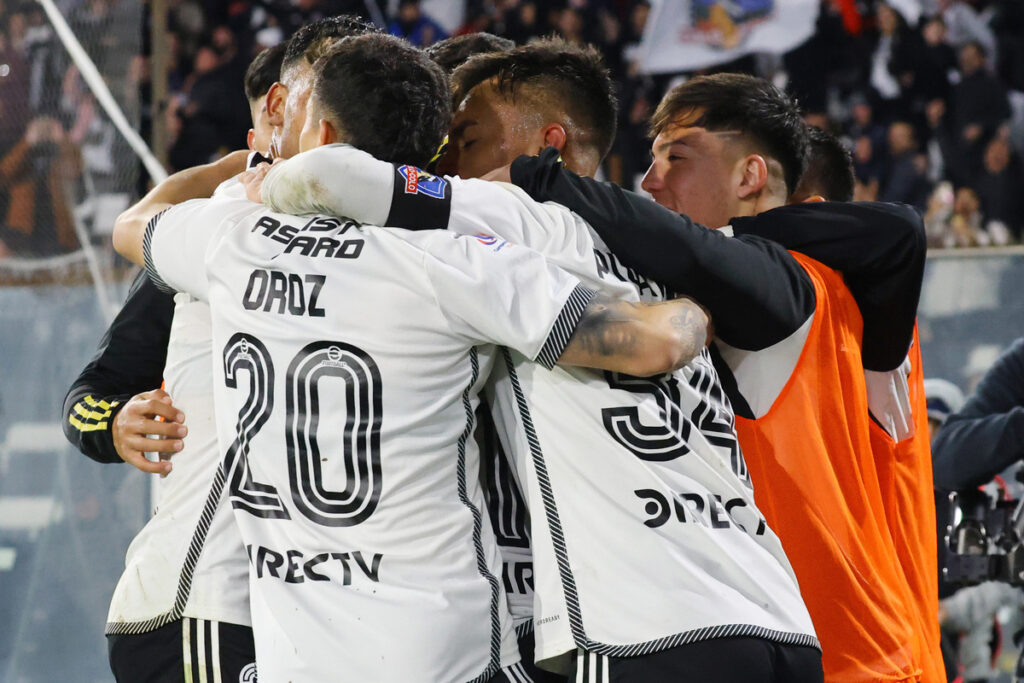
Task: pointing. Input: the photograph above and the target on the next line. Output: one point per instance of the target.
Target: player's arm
(340, 180)
(754, 289)
(880, 249)
(193, 183)
(515, 297)
(987, 435)
(640, 339)
(100, 409)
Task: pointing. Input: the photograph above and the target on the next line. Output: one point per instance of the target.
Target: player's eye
(466, 144)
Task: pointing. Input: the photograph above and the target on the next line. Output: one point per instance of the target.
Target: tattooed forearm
(691, 324)
(607, 327)
(638, 338)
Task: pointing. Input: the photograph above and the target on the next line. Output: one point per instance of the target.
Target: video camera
(988, 543)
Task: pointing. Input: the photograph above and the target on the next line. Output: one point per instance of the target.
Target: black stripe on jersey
(524, 628)
(564, 326)
(147, 254)
(195, 547)
(550, 508)
(505, 502)
(569, 582)
(706, 633)
(494, 664)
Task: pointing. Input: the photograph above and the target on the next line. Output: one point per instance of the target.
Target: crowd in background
(933, 114)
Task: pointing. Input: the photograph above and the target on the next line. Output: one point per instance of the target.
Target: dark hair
(314, 39)
(387, 97)
(450, 53)
(829, 168)
(976, 44)
(573, 79)
(765, 115)
(264, 70)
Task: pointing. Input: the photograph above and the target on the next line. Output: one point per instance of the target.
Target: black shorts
(526, 671)
(185, 650)
(722, 660)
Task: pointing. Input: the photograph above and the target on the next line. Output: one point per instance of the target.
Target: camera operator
(974, 445)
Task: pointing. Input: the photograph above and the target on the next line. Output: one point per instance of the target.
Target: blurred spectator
(415, 26)
(893, 55)
(212, 111)
(1001, 186)
(955, 220)
(965, 25)
(979, 105)
(40, 173)
(1008, 24)
(867, 142)
(928, 70)
(905, 177)
(864, 72)
(90, 22)
(13, 93)
(521, 21)
(44, 55)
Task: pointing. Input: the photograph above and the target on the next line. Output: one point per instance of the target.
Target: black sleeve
(755, 290)
(879, 248)
(130, 360)
(986, 436)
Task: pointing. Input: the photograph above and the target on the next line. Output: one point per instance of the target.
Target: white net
(71, 75)
(66, 171)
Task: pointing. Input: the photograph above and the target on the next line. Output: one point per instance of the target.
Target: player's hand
(138, 419)
(252, 181)
(502, 174)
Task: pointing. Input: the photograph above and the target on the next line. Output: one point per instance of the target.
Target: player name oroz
(275, 292)
(294, 566)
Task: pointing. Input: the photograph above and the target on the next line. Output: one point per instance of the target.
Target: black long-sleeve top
(130, 360)
(987, 435)
(756, 291)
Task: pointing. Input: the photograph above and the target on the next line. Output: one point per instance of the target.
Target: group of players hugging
(449, 409)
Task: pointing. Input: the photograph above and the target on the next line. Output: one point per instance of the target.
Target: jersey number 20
(360, 426)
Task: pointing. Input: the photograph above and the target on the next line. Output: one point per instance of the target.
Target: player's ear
(328, 133)
(753, 176)
(554, 136)
(249, 137)
(276, 97)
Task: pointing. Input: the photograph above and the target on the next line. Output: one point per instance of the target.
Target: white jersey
(645, 531)
(188, 560)
(346, 379)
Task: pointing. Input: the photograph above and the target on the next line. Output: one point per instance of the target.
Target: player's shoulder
(550, 208)
(216, 208)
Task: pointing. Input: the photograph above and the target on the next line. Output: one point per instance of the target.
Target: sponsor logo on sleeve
(420, 182)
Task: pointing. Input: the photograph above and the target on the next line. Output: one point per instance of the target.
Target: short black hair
(829, 168)
(387, 97)
(572, 78)
(314, 39)
(264, 70)
(765, 115)
(450, 53)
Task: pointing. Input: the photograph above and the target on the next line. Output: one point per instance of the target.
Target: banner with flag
(683, 35)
